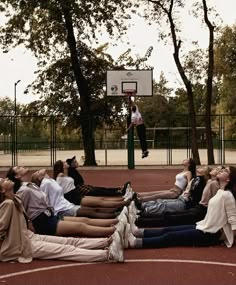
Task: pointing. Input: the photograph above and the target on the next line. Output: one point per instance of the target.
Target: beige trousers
(68, 248)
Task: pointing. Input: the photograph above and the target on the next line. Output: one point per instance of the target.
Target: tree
(165, 9)
(52, 28)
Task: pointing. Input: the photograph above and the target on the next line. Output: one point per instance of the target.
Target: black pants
(141, 131)
(104, 191)
(185, 217)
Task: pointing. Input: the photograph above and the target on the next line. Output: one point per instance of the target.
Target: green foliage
(225, 58)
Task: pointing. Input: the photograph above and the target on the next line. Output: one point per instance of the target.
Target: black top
(78, 179)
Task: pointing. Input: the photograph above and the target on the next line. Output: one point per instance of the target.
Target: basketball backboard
(141, 81)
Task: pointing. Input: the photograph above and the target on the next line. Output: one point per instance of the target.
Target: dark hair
(58, 167)
(192, 167)
(11, 174)
(134, 108)
(232, 181)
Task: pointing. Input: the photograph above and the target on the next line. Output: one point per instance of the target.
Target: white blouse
(221, 214)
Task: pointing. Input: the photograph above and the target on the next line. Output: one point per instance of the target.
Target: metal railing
(41, 140)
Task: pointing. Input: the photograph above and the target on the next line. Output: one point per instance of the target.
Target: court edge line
(126, 261)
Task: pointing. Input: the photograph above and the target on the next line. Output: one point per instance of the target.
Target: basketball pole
(130, 144)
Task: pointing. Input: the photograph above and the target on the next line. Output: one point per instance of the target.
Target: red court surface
(177, 265)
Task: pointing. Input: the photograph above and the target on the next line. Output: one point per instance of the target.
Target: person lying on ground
(185, 217)
(89, 206)
(181, 181)
(26, 245)
(43, 218)
(85, 189)
(218, 226)
(188, 199)
(75, 195)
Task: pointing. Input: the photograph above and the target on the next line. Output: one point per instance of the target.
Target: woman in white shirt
(219, 224)
(181, 181)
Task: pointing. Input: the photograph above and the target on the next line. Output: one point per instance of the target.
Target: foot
(124, 187)
(116, 251)
(122, 217)
(129, 239)
(145, 153)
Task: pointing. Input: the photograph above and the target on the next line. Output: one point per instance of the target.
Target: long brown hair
(11, 174)
(58, 167)
(232, 181)
(16, 201)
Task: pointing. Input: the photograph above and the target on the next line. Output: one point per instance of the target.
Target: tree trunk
(210, 72)
(187, 84)
(194, 145)
(85, 113)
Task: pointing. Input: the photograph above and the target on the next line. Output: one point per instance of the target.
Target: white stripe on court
(126, 261)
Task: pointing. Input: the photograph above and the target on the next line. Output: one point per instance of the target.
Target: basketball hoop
(129, 92)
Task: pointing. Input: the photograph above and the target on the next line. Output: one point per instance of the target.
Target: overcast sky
(19, 64)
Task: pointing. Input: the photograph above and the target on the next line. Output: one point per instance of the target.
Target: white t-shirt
(136, 117)
(55, 195)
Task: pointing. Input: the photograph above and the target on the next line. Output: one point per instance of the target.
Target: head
(204, 171)
(72, 162)
(231, 185)
(191, 165)
(15, 174)
(59, 167)
(38, 176)
(6, 189)
(214, 172)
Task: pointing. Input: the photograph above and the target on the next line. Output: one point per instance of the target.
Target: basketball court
(177, 265)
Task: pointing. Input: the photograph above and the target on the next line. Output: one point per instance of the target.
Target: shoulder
(7, 204)
(61, 175)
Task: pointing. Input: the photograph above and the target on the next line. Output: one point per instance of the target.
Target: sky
(19, 64)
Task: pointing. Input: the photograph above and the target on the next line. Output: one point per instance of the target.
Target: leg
(160, 207)
(92, 222)
(178, 236)
(86, 243)
(103, 191)
(141, 131)
(67, 228)
(91, 202)
(49, 250)
(96, 213)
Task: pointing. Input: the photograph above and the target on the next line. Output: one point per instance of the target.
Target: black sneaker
(145, 153)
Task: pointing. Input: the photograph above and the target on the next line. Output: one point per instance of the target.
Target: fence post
(130, 143)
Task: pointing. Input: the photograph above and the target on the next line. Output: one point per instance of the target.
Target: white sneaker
(129, 240)
(122, 217)
(133, 209)
(120, 227)
(133, 228)
(116, 251)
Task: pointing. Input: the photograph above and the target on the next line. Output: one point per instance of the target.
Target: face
(185, 162)
(201, 171)
(40, 174)
(75, 163)
(215, 170)
(20, 171)
(223, 174)
(65, 165)
(6, 186)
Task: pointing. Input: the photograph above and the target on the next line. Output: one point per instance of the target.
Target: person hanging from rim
(137, 120)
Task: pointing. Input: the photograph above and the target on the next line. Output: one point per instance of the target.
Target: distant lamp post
(14, 146)
(18, 81)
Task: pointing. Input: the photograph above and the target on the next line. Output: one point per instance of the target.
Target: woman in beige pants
(26, 245)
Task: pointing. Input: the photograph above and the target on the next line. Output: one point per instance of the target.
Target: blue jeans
(186, 235)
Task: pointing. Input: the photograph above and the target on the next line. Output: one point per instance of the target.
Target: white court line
(126, 261)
